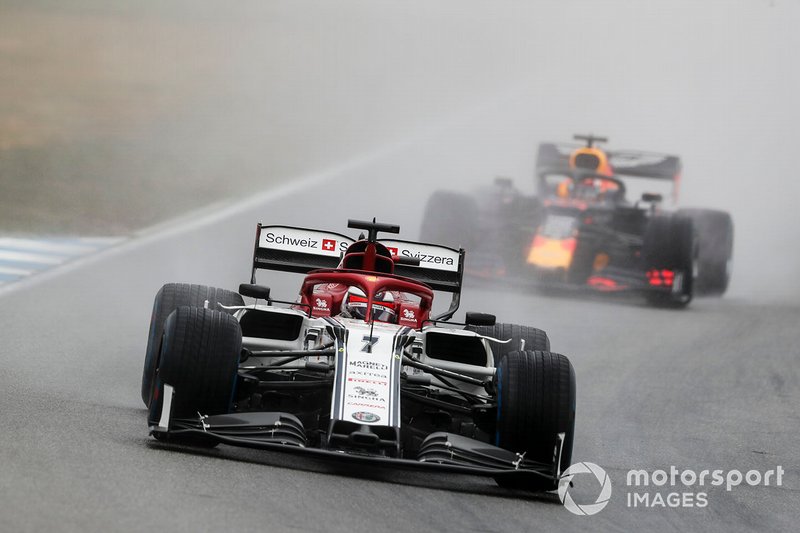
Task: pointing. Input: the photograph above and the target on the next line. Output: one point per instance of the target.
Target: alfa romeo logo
(365, 416)
(589, 508)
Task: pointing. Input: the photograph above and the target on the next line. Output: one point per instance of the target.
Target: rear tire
(199, 358)
(535, 339)
(715, 241)
(508, 222)
(670, 244)
(450, 219)
(535, 402)
(168, 298)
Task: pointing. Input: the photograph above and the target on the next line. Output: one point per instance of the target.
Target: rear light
(569, 244)
(539, 241)
(661, 278)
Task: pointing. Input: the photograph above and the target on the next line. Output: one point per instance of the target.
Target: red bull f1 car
(582, 231)
(358, 369)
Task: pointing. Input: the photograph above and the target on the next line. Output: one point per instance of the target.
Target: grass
(93, 112)
(103, 187)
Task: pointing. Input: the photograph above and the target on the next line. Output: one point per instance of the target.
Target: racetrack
(715, 386)
(389, 103)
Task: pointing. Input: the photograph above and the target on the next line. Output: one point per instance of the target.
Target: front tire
(715, 254)
(168, 298)
(199, 358)
(535, 402)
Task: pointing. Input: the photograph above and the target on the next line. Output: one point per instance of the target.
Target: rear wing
(553, 156)
(301, 250)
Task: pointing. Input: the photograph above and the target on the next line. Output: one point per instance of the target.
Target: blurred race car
(357, 369)
(580, 230)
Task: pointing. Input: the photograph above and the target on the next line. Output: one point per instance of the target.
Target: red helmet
(355, 303)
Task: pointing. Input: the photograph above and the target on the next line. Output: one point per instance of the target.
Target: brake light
(661, 278)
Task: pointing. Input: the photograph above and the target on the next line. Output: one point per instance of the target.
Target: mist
(227, 99)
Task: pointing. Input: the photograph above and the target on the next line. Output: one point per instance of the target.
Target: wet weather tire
(670, 244)
(199, 358)
(535, 402)
(450, 219)
(715, 249)
(169, 298)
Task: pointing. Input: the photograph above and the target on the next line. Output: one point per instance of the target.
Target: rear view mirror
(652, 197)
(259, 292)
(403, 260)
(480, 319)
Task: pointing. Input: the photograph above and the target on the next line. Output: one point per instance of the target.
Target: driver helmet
(593, 188)
(355, 302)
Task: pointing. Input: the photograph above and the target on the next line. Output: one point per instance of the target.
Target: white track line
(27, 257)
(12, 271)
(45, 245)
(100, 242)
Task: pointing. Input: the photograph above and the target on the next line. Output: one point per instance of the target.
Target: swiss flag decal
(393, 251)
(328, 245)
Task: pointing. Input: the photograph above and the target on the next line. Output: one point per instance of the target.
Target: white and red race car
(358, 369)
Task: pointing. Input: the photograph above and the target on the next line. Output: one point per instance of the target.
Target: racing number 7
(369, 342)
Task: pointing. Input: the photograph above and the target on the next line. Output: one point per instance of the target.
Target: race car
(581, 231)
(358, 368)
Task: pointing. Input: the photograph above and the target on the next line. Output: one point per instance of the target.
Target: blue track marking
(21, 257)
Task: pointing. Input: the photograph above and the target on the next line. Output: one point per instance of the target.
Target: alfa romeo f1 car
(581, 231)
(358, 368)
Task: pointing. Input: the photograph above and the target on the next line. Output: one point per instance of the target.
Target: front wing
(440, 452)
